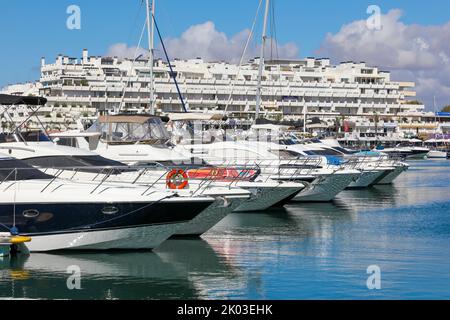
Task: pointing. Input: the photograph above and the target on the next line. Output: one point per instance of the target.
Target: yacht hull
(137, 238)
(99, 226)
(389, 179)
(209, 217)
(325, 188)
(366, 179)
(435, 154)
(265, 198)
(418, 155)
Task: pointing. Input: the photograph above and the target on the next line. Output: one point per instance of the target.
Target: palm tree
(376, 119)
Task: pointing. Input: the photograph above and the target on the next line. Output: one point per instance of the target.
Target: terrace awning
(196, 116)
(139, 119)
(6, 99)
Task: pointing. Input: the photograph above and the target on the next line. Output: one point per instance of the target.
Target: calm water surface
(304, 251)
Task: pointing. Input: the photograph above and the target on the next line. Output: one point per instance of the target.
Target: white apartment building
(352, 92)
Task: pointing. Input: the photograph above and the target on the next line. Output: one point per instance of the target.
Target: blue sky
(31, 29)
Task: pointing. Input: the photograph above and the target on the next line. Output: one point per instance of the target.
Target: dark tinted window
(344, 151)
(191, 163)
(99, 161)
(327, 152)
(78, 162)
(34, 136)
(287, 142)
(6, 138)
(13, 169)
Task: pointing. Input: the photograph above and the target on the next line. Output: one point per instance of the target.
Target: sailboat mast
(436, 134)
(151, 44)
(261, 61)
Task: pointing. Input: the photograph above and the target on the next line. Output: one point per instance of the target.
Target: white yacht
(406, 151)
(439, 148)
(81, 165)
(143, 140)
(64, 215)
(279, 161)
(393, 167)
(437, 154)
(372, 169)
(276, 163)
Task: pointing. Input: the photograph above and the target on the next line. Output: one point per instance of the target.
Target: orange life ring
(177, 179)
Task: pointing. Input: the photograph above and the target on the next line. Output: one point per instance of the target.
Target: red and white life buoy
(177, 179)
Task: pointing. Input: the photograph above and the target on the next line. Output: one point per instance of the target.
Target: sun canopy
(139, 119)
(196, 117)
(74, 134)
(6, 99)
(270, 127)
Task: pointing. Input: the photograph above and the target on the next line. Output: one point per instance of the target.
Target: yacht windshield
(34, 136)
(129, 129)
(188, 163)
(81, 163)
(30, 136)
(287, 142)
(325, 152)
(15, 170)
(287, 154)
(344, 151)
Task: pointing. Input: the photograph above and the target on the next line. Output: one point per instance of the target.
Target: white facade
(350, 91)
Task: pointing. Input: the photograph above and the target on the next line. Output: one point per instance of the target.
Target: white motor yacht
(65, 215)
(437, 154)
(406, 152)
(323, 184)
(143, 140)
(80, 165)
(376, 168)
(370, 171)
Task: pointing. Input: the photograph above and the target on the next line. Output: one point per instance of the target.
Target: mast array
(151, 45)
(261, 62)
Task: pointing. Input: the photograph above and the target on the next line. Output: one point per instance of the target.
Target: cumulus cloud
(121, 50)
(205, 41)
(412, 52)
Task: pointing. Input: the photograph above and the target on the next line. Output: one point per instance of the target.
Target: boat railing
(151, 176)
(283, 169)
(156, 175)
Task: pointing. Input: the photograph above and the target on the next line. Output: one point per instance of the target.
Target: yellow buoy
(19, 240)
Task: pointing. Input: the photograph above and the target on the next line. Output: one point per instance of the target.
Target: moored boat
(63, 215)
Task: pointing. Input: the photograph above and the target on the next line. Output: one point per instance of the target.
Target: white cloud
(121, 50)
(205, 41)
(412, 52)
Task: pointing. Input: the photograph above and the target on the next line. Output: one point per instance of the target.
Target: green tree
(446, 109)
(415, 102)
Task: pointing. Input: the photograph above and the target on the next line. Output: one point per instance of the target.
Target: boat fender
(14, 231)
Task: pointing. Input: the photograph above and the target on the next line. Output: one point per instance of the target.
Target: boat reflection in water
(301, 251)
(179, 270)
(378, 197)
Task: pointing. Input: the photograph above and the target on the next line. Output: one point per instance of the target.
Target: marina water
(303, 251)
